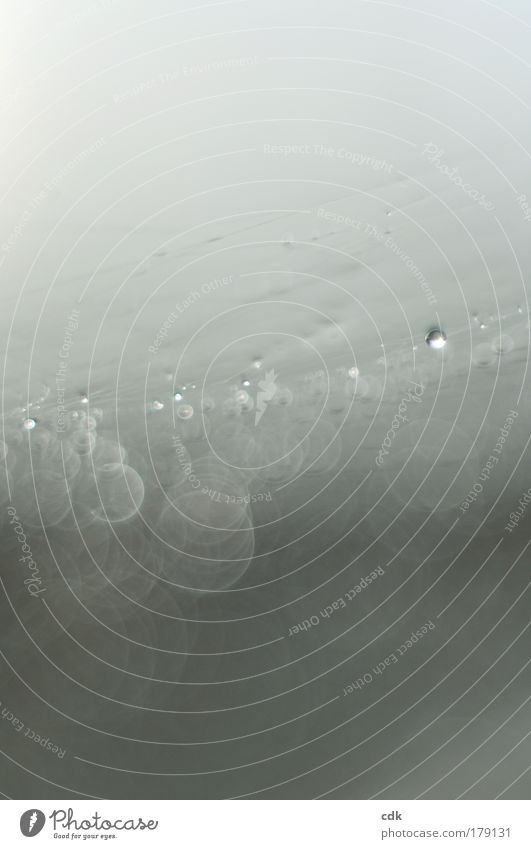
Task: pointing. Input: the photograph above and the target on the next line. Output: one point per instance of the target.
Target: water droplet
(185, 411)
(482, 326)
(178, 396)
(353, 372)
(84, 398)
(246, 382)
(257, 362)
(156, 406)
(436, 339)
(29, 424)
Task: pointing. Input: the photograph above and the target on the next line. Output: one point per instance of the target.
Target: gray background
(139, 167)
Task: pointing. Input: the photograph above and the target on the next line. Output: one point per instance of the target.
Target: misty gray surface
(225, 232)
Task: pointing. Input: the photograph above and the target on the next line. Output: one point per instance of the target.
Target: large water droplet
(436, 339)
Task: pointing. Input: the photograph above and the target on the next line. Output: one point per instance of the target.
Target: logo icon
(31, 822)
(268, 389)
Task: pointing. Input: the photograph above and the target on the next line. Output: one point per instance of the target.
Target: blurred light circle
(43, 499)
(199, 567)
(88, 422)
(283, 397)
(231, 408)
(83, 441)
(185, 411)
(120, 491)
(322, 445)
(502, 344)
(107, 451)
